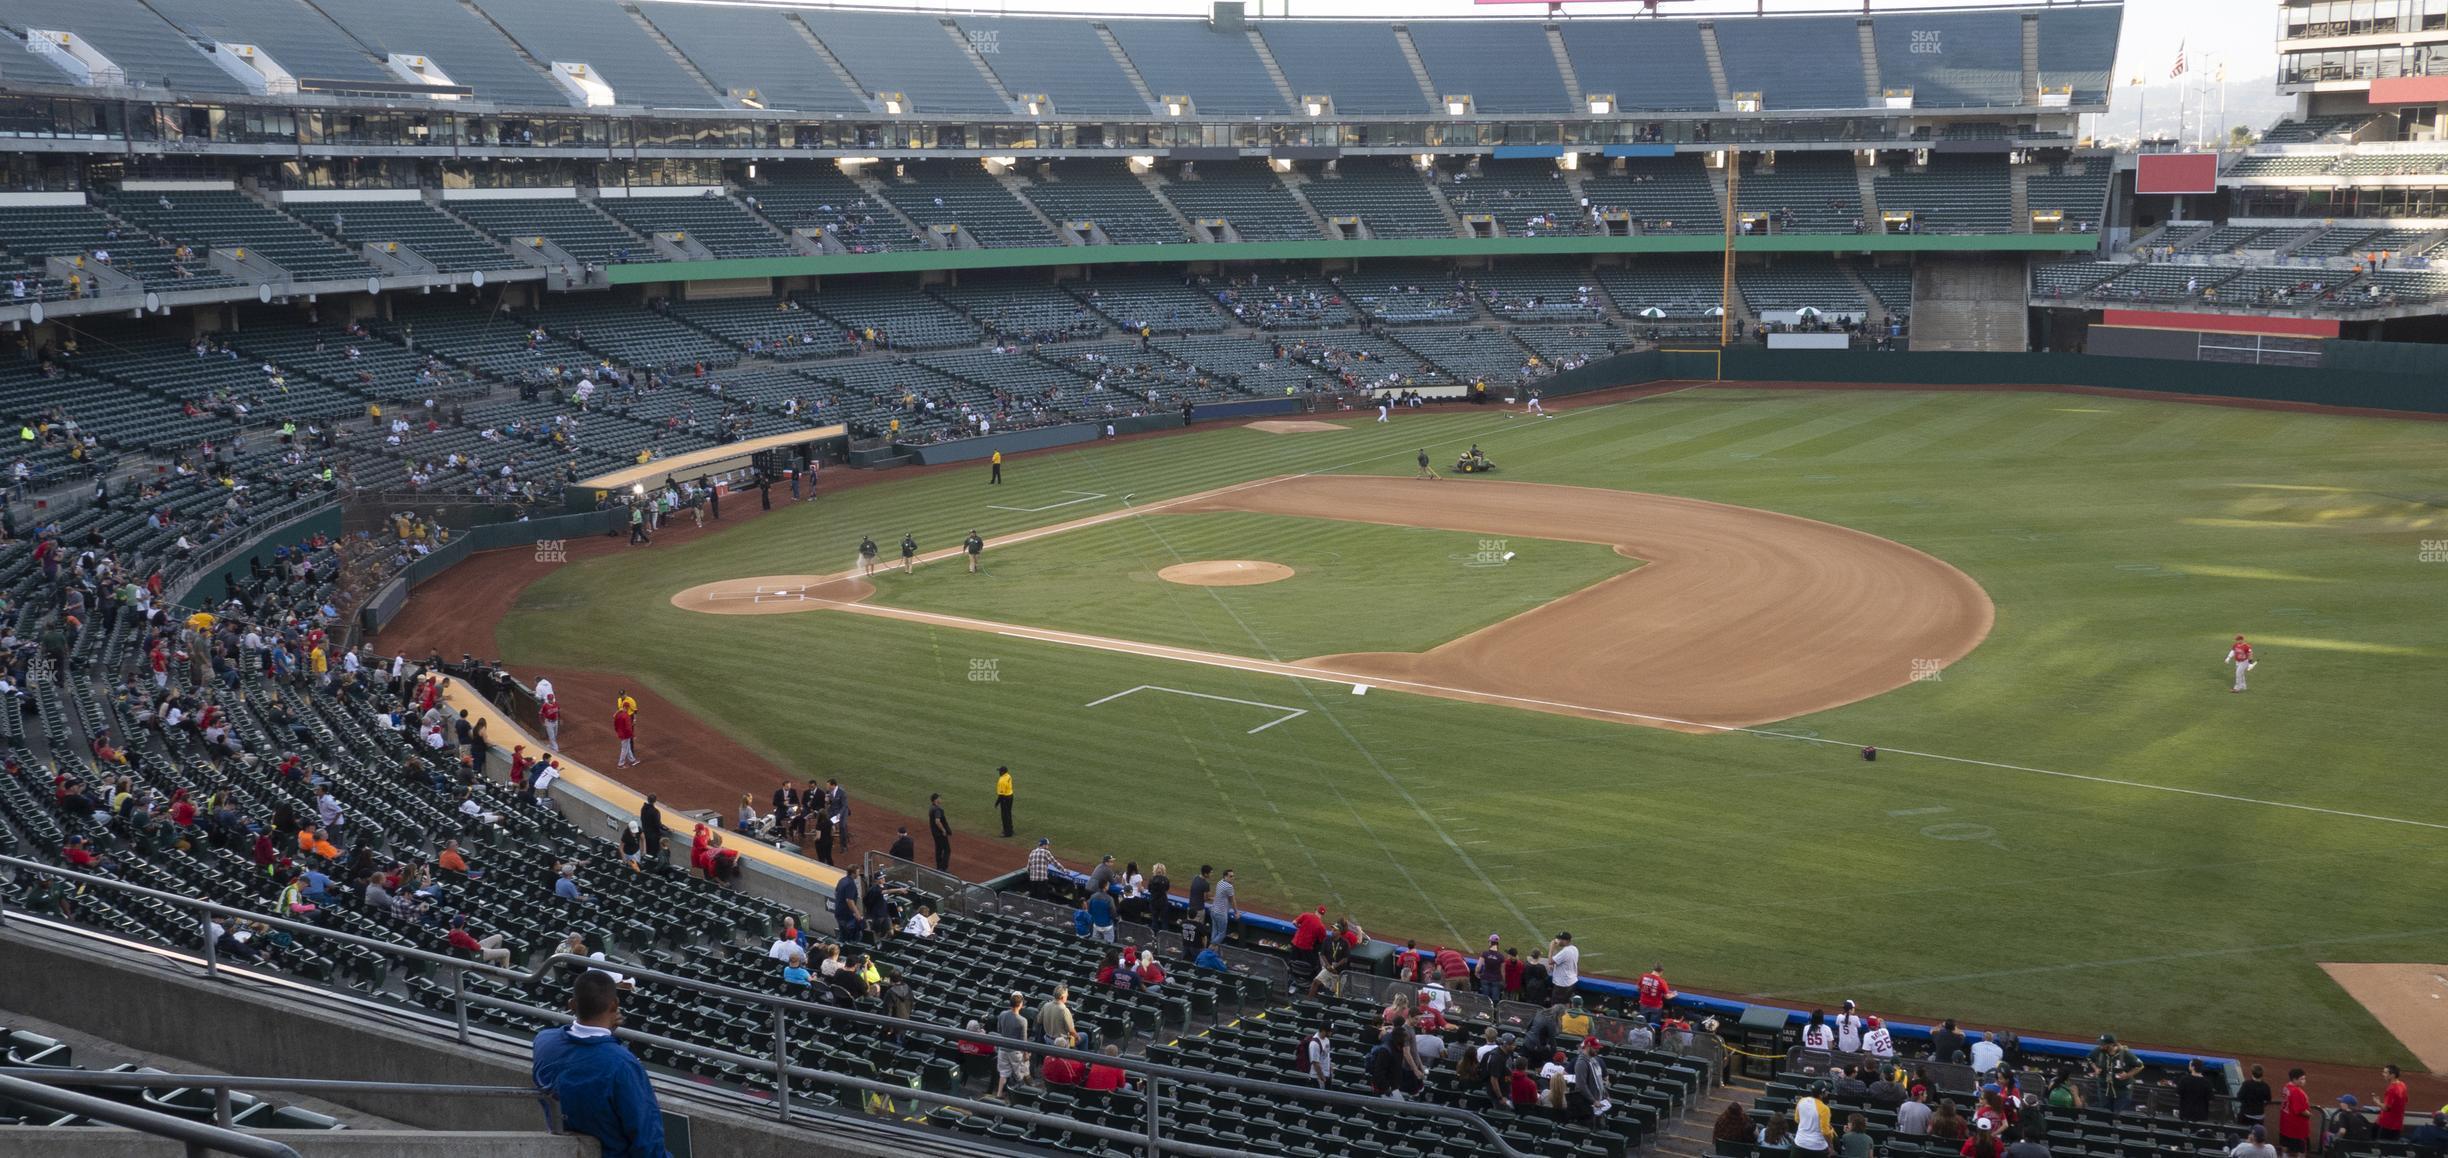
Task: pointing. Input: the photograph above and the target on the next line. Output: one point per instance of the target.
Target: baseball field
(1621, 687)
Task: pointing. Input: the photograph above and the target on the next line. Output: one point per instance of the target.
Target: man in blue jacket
(603, 1090)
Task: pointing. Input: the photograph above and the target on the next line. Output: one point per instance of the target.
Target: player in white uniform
(1533, 407)
(2241, 656)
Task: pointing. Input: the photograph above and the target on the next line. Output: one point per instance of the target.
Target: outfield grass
(2181, 886)
(1354, 587)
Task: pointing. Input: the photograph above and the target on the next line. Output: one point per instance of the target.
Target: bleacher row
(167, 240)
(678, 56)
(1010, 349)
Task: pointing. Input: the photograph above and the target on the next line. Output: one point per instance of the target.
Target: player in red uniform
(2241, 656)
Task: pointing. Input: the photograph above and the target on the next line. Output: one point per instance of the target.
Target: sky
(2243, 31)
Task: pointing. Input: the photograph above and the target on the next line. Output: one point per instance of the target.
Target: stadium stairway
(1688, 1136)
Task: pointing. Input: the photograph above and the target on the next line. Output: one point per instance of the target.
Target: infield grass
(1354, 587)
(2181, 886)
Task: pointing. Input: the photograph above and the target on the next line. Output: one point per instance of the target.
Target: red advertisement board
(2177, 173)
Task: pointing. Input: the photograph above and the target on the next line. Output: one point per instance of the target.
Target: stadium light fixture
(1317, 105)
(1176, 105)
(1458, 106)
(1036, 104)
(1602, 104)
(894, 103)
(752, 170)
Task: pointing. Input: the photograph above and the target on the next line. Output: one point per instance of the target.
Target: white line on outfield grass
(1289, 713)
(1242, 663)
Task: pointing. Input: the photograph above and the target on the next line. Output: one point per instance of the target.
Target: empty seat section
(1804, 283)
(609, 41)
(631, 336)
(2072, 278)
(1952, 59)
(1390, 197)
(755, 50)
(1503, 66)
(33, 232)
(1664, 288)
(901, 319)
(228, 219)
(1358, 64)
(150, 51)
(1467, 353)
(1890, 284)
(818, 195)
(1162, 303)
(1817, 191)
(297, 37)
(964, 194)
(766, 327)
(1563, 344)
(455, 39)
(1107, 193)
(1663, 194)
(1021, 306)
(2163, 282)
(1795, 62)
(1405, 296)
(1282, 299)
(1244, 193)
(1526, 197)
(575, 226)
(1251, 363)
(1952, 194)
(1539, 292)
(415, 226)
(1644, 64)
(1219, 71)
(719, 223)
(2077, 48)
(2077, 188)
(909, 53)
(1062, 60)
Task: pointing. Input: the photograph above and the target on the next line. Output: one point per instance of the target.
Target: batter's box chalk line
(1289, 712)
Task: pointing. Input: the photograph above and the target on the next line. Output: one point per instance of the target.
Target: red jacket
(623, 727)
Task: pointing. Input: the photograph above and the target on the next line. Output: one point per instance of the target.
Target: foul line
(1290, 713)
(1085, 497)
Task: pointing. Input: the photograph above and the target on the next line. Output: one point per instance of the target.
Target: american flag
(2179, 69)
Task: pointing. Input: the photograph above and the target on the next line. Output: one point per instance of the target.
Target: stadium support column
(1733, 228)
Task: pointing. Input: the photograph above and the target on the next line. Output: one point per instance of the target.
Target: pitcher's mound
(1292, 426)
(1225, 573)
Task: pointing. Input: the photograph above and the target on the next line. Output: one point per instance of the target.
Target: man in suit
(786, 809)
(837, 803)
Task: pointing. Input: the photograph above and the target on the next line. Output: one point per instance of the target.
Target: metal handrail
(222, 1084)
(196, 1136)
(1155, 1074)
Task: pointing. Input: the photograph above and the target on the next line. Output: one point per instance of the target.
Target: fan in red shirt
(1521, 1088)
(1062, 1071)
(2390, 1125)
(1106, 1079)
(1455, 967)
(1654, 991)
(2295, 1118)
(1309, 931)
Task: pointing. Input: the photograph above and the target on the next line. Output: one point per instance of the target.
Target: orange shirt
(450, 861)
